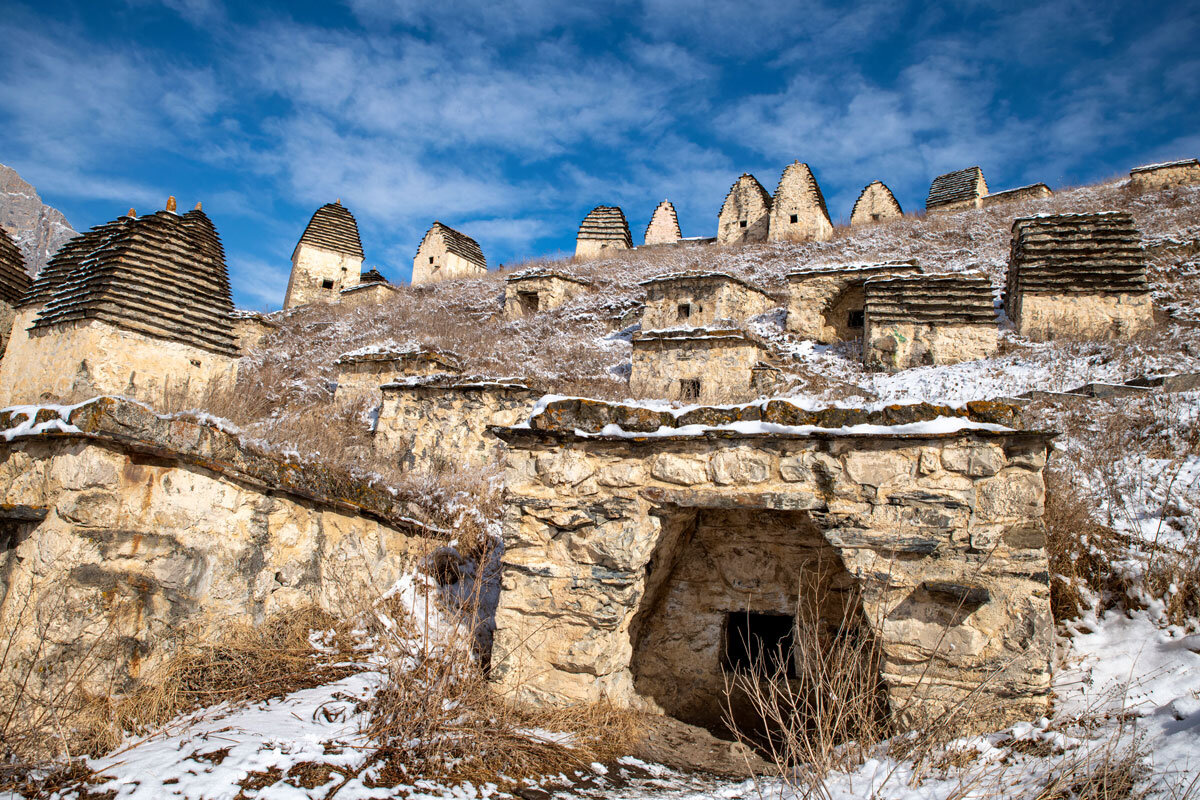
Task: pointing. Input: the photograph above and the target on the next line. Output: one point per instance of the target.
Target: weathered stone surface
(875, 203)
(1033, 191)
(359, 375)
(327, 259)
(956, 191)
(925, 320)
(664, 225)
(826, 303)
(604, 228)
(630, 606)
(745, 215)
(702, 365)
(446, 254)
(695, 299)
(537, 290)
(798, 212)
(1164, 176)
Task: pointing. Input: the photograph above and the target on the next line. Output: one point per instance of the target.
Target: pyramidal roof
(875, 198)
(664, 225)
(606, 223)
(333, 227)
(747, 183)
(956, 187)
(14, 280)
(458, 243)
(162, 275)
(798, 187)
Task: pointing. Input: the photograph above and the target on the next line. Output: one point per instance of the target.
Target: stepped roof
(458, 243)
(664, 225)
(955, 187)
(605, 223)
(14, 280)
(162, 275)
(333, 227)
(955, 299)
(1096, 253)
(876, 189)
(372, 276)
(800, 175)
(747, 183)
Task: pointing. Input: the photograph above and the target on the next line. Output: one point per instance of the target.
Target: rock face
(537, 290)
(695, 299)
(604, 228)
(746, 213)
(361, 374)
(928, 320)
(444, 419)
(699, 365)
(1165, 175)
(125, 529)
(956, 191)
(825, 304)
(36, 228)
(798, 212)
(327, 259)
(446, 254)
(140, 306)
(1031, 192)
(1077, 275)
(664, 225)
(875, 203)
(628, 562)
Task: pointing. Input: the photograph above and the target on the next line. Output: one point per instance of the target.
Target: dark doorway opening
(760, 643)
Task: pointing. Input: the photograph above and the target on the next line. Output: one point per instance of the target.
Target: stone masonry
(604, 228)
(1164, 176)
(14, 283)
(360, 374)
(700, 365)
(875, 203)
(923, 320)
(798, 212)
(664, 225)
(825, 304)
(628, 559)
(327, 259)
(445, 254)
(537, 290)
(123, 529)
(956, 191)
(746, 213)
(696, 299)
(1077, 275)
(1033, 191)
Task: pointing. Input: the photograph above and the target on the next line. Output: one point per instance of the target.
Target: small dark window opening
(689, 389)
(194, 362)
(760, 642)
(795, 218)
(875, 217)
(742, 223)
(529, 302)
(326, 284)
(855, 319)
(431, 259)
(684, 310)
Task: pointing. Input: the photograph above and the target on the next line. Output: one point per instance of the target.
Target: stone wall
(1164, 176)
(319, 275)
(1032, 192)
(875, 203)
(798, 212)
(249, 330)
(125, 528)
(361, 375)
(925, 320)
(8, 315)
(956, 191)
(367, 294)
(698, 366)
(530, 293)
(436, 260)
(428, 424)
(745, 215)
(625, 559)
(92, 357)
(824, 302)
(1043, 317)
(604, 228)
(697, 299)
(900, 345)
(664, 225)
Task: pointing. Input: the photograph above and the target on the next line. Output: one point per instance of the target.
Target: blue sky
(510, 120)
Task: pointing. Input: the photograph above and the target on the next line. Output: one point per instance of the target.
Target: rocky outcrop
(664, 225)
(629, 559)
(37, 229)
(745, 215)
(927, 320)
(875, 203)
(798, 212)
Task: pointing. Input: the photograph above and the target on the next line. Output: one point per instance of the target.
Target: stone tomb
(139, 306)
(430, 423)
(798, 212)
(1165, 175)
(695, 299)
(327, 259)
(14, 283)
(825, 304)
(631, 562)
(696, 365)
(956, 191)
(875, 203)
(923, 320)
(250, 327)
(745, 215)
(604, 228)
(372, 289)
(1077, 275)
(445, 254)
(122, 529)
(529, 292)
(360, 374)
(1033, 191)
(664, 225)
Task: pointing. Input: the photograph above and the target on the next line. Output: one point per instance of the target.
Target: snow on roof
(542, 272)
(832, 269)
(1183, 162)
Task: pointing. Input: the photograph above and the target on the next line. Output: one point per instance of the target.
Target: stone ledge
(443, 382)
(526, 436)
(131, 427)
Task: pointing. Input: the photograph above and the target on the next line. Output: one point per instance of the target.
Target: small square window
(742, 223)
(762, 643)
(683, 311)
(431, 259)
(795, 218)
(855, 319)
(326, 284)
(689, 389)
(529, 301)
